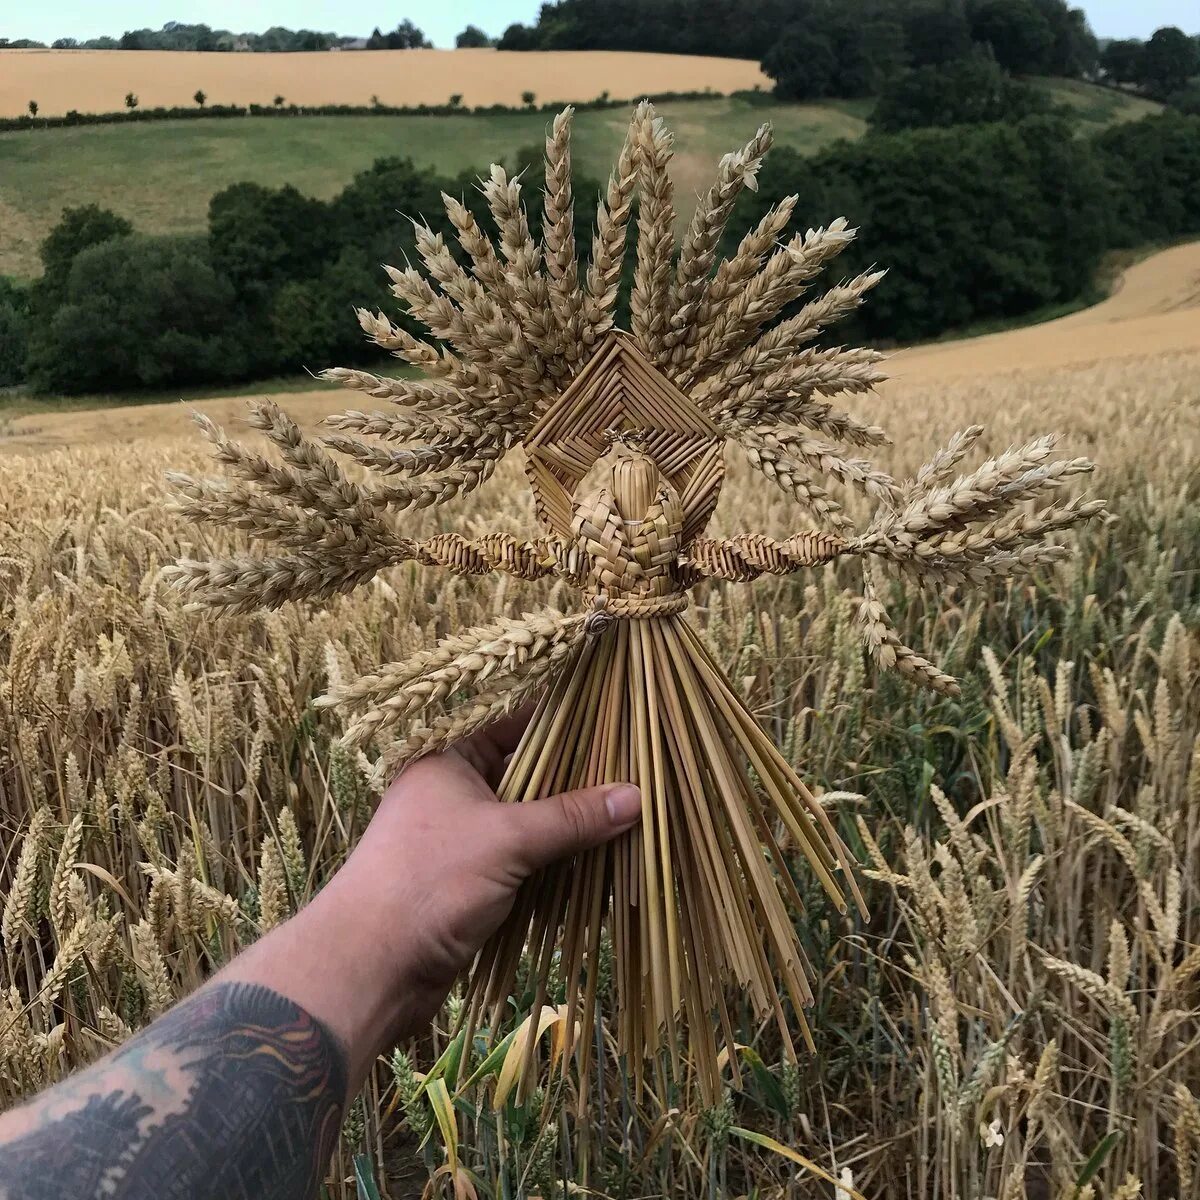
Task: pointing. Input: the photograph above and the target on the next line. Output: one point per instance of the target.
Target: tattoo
(236, 1093)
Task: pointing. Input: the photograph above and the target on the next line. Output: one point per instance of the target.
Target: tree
(66, 43)
(958, 246)
(456, 100)
(1121, 61)
(1074, 51)
(14, 332)
(1169, 60)
(406, 36)
(136, 39)
(968, 92)
(1154, 170)
(868, 45)
(131, 101)
(802, 63)
(77, 229)
(33, 108)
(260, 237)
(200, 97)
(840, 48)
(137, 312)
(472, 38)
(519, 37)
(936, 33)
(1018, 33)
(278, 101)
(376, 40)
(528, 99)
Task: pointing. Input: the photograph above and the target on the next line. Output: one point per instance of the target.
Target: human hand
(439, 866)
(376, 951)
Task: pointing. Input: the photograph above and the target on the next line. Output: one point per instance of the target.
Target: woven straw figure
(624, 436)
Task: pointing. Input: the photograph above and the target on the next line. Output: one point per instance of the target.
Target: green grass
(1096, 104)
(160, 175)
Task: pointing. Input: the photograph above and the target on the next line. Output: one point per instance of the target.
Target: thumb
(559, 826)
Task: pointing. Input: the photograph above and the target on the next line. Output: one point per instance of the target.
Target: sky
(440, 19)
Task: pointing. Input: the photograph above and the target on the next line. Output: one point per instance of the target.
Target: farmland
(97, 80)
(178, 741)
(180, 164)
(320, 154)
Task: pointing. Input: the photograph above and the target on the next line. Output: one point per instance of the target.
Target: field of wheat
(1020, 1017)
(97, 80)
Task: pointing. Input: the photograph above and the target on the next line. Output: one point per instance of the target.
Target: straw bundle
(697, 899)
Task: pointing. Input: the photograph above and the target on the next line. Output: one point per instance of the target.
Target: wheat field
(97, 80)
(1019, 1018)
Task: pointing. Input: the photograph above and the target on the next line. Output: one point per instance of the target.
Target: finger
(487, 748)
(559, 826)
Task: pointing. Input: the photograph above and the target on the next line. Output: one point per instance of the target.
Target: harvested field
(97, 80)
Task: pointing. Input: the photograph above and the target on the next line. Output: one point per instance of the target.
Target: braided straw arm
(748, 556)
(534, 559)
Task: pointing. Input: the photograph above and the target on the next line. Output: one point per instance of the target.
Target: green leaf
(447, 1064)
(443, 1110)
(1096, 1160)
(768, 1085)
(490, 1065)
(364, 1177)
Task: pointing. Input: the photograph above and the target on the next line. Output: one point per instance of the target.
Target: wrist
(367, 960)
(332, 960)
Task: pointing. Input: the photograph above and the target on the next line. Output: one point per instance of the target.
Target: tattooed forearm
(236, 1093)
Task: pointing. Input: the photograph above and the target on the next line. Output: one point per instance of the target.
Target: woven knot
(607, 609)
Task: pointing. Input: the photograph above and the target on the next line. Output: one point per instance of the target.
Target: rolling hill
(1153, 311)
(178, 165)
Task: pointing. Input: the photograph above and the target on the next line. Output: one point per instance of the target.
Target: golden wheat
(191, 743)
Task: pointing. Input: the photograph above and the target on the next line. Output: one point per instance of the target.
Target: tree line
(1165, 66)
(825, 47)
(454, 107)
(180, 35)
(976, 222)
(269, 287)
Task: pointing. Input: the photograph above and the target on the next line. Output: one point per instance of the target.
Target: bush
(138, 312)
(14, 332)
(1187, 100)
(472, 38)
(970, 91)
(958, 247)
(375, 108)
(1153, 168)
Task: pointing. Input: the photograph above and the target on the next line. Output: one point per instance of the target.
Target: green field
(160, 175)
